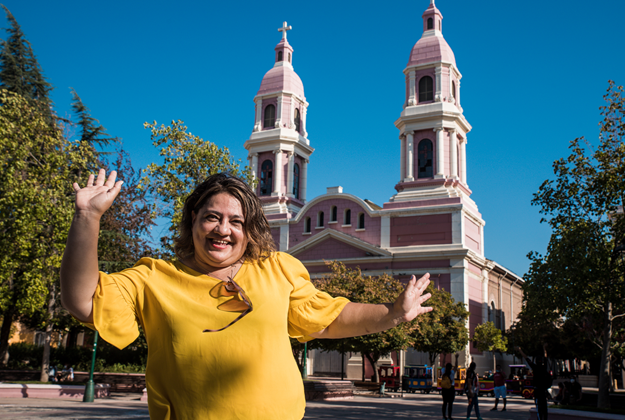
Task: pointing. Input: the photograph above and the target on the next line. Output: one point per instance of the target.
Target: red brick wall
(421, 230)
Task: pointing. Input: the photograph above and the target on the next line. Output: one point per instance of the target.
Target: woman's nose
(223, 228)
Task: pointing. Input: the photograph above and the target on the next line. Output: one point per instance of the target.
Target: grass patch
(591, 409)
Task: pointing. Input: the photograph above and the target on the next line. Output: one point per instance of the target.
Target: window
(453, 90)
(289, 57)
(426, 89)
(333, 214)
(430, 23)
(425, 155)
(296, 181)
(270, 117)
(320, 219)
(266, 177)
(347, 217)
(361, 221)
(279, 55)
(298, 120)
(307, 225)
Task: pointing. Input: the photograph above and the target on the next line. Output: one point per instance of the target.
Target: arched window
(307, 225)
(347, 217)
(425, 159)
(279, 55)
(361, 221)
(270, 116)
(266, 178)
(320, 219)
(426, 89)
(333, 214)
(430, 23)
(289, 57)
(296, 181)
(298, 120)
(453, 90)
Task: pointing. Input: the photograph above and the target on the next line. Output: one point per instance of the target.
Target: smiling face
(219, 236)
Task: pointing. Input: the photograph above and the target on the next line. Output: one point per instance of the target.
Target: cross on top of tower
(284, 28)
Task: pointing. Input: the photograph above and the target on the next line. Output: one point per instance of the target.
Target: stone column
(277, 173)
(292, 113)
(440, 162)
(409, 156)
(302, 180)
(279, 113)
(303, 117)
(453, 144)
(259, 110)
(463, 160)
(411, 87)
(289, 185)
(254, 165)
(438, 75)
(402, 158)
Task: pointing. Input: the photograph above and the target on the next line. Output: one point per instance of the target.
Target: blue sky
(534, 74)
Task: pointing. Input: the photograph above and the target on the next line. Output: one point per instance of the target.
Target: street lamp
(88, 397)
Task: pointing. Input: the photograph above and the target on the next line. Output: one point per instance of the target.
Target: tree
(35, 211)
(188, 160)
(487, 337)
(19, 69)
(351, 283)
(582, 272)
(443, 330)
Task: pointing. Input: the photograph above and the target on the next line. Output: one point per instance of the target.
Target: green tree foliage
(443, 330)
(355, 286)
(487, 337)
(581, 276)
(187, 161)
(35, 210)
(19, 69)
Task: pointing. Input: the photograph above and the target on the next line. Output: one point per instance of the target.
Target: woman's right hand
(96, 198)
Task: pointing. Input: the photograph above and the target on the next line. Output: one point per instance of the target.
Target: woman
(472, 388)
(448, 390)
(217, 319)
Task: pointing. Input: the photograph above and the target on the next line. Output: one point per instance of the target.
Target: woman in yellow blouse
(218, 318)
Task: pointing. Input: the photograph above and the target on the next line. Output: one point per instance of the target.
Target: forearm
(79, 268)
(361, 319)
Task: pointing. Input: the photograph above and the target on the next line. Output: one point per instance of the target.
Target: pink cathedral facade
(430, 225)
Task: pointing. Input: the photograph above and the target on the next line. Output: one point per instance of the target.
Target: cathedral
(430, 225)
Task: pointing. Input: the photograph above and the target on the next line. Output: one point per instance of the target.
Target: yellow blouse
(246, 371)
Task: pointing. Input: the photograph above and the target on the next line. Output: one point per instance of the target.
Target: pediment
(334, 245)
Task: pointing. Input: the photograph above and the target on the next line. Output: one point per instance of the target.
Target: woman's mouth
(219, 244)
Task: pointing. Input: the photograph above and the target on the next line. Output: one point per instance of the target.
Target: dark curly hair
(260, 242)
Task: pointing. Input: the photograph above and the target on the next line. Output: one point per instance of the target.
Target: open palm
(99, 194)
(409, 301)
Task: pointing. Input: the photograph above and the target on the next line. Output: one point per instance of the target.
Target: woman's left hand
(408, 304)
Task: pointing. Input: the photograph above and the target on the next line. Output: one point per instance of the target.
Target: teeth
(220, 242)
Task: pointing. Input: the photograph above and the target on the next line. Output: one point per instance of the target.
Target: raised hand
(97, 197)
(408, 303)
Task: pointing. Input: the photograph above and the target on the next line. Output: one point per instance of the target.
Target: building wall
(421, 230)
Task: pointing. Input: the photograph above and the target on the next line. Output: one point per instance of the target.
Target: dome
(282, 77)
(430, 49)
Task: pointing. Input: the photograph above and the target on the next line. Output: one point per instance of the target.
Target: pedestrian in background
(472, 389)
(499, 380)
(448, 390)
(541, 381)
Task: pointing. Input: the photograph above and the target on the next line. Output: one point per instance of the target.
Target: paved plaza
(127, 406)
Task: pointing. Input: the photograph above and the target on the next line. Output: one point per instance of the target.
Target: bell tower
(279, 149)
(433, 129)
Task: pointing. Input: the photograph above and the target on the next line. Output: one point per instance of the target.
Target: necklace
(218, 277)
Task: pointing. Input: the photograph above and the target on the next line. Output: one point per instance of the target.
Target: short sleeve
(115, 303)
(310, 310)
